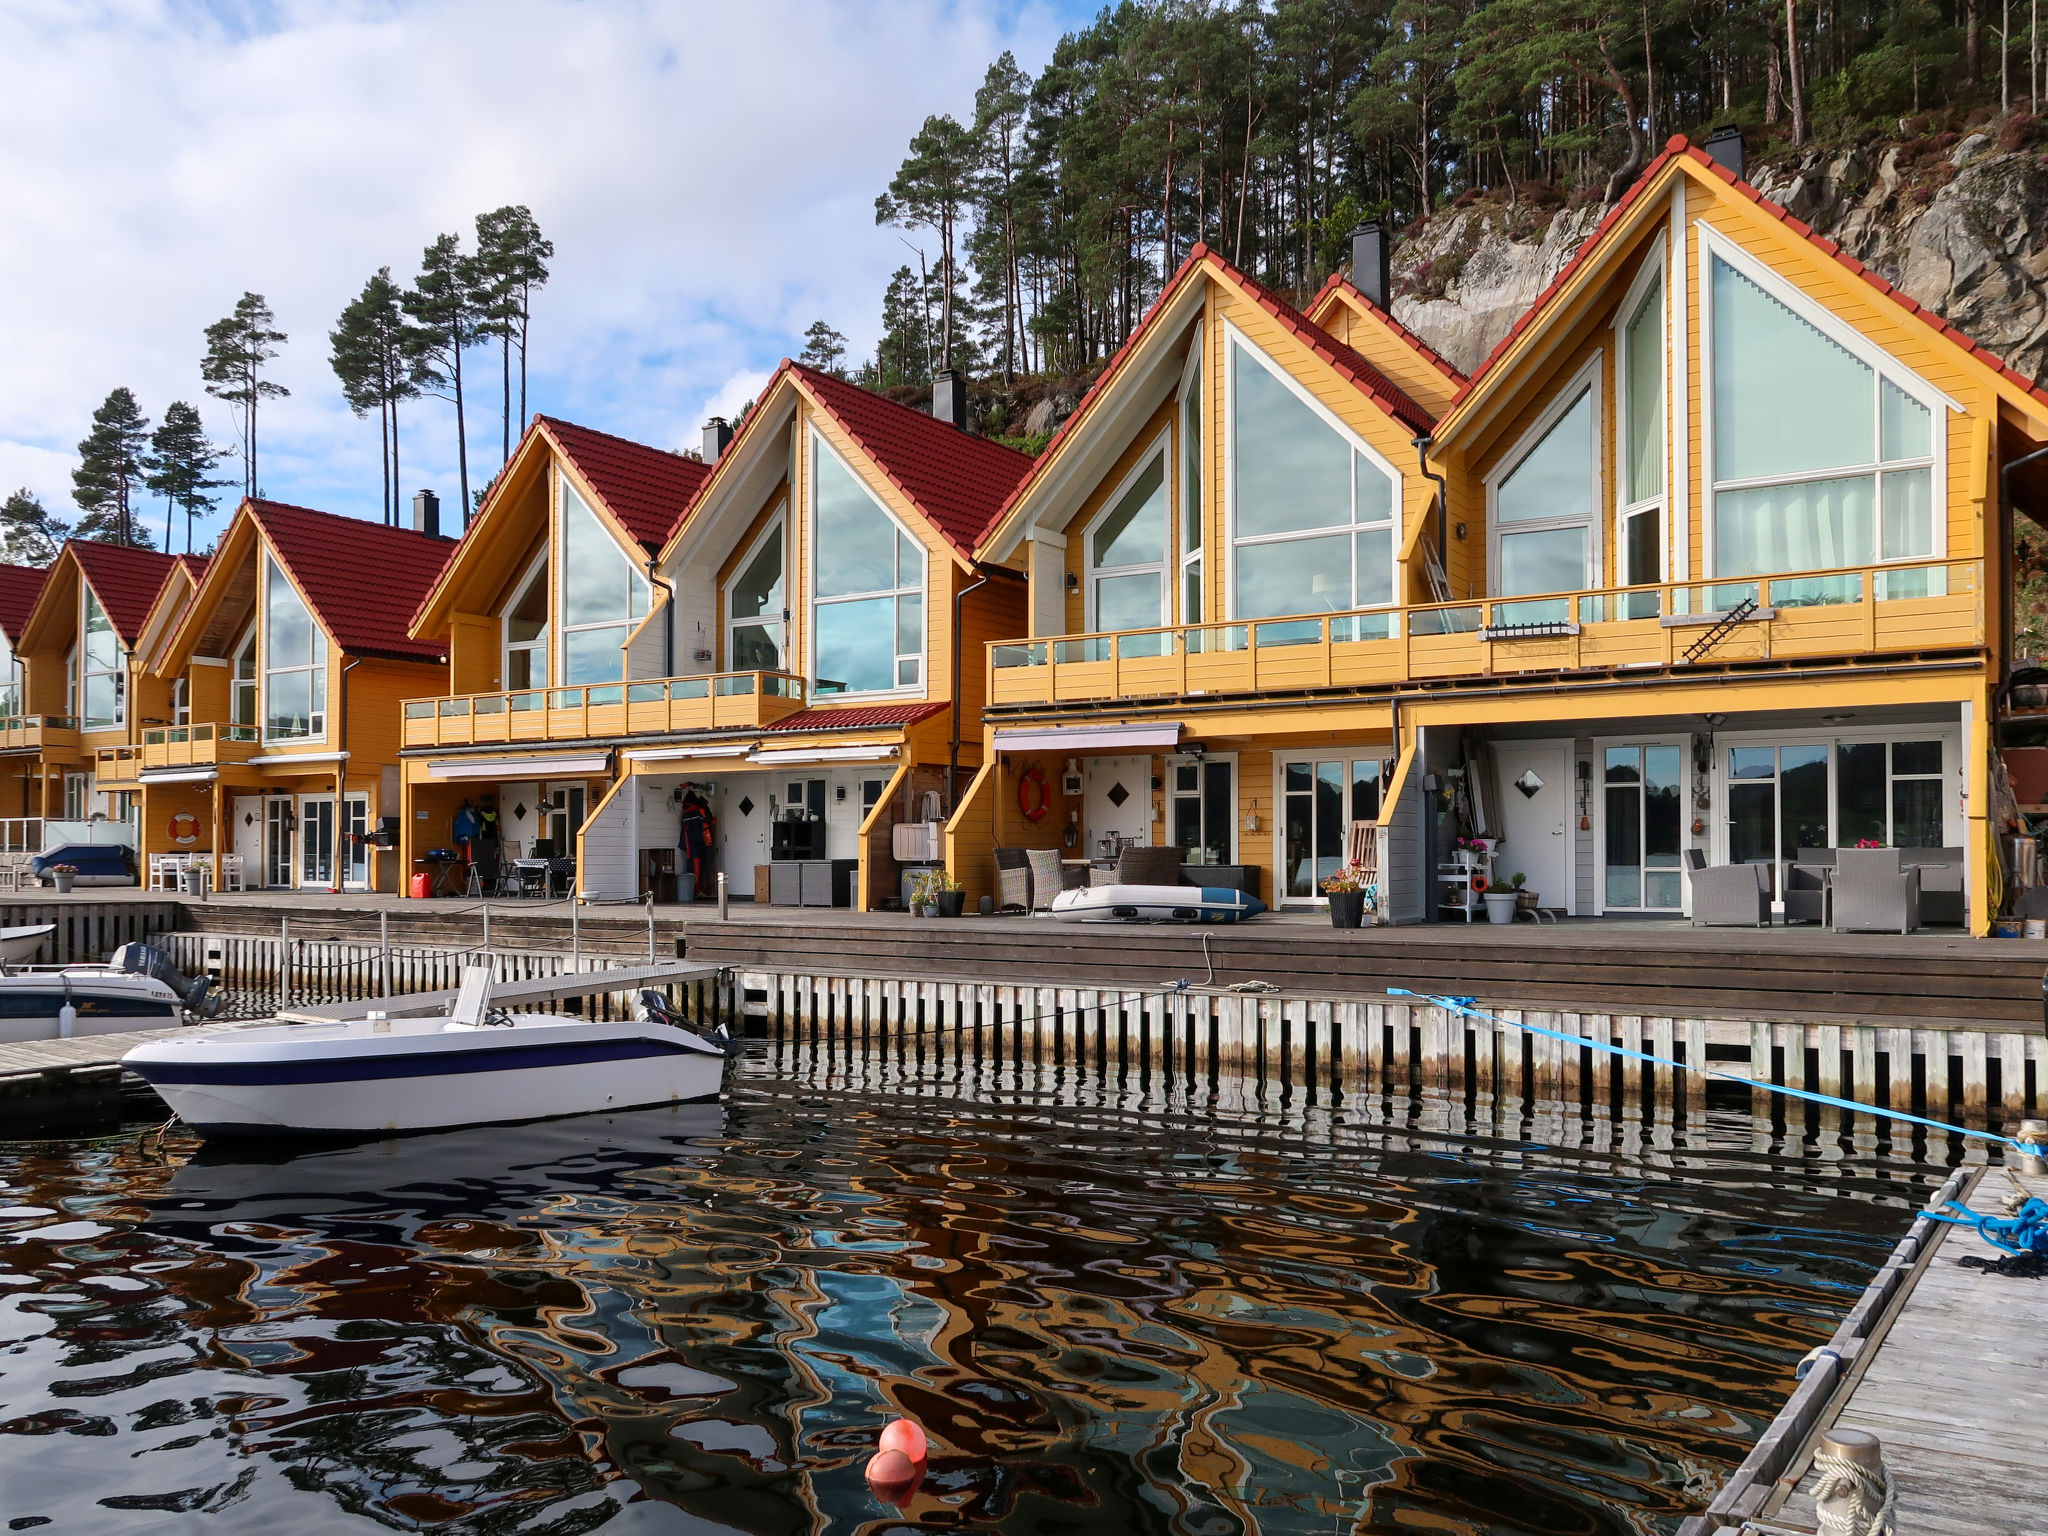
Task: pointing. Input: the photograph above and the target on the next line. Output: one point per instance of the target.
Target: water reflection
(1112, 1309)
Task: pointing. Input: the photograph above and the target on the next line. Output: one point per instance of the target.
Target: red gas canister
(422, 885)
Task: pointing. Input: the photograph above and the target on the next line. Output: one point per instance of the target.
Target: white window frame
(1232, 336)
(71, 685)
(77, 796)
(1185, 502)
(558, 607)
(778, 523)
(253, 684)
(1175, 760)
(1954, 823)
(87, 601)
(1158, 446)
(1713, 247)
(1351, 753)
(1687, 811)
(1654, 271)
(10, 679)
(544, 647)
(1585, 382)
(316, 717)
(922, 586)
(181, 699)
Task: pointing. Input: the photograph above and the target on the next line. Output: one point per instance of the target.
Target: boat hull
(1155, 904)
(347, 1081)
(102, 1002)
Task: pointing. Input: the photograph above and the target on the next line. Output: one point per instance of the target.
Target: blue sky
(707, 174)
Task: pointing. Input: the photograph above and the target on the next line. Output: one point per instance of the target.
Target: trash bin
(686, 885)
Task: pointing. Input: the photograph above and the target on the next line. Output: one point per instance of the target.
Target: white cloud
(707, 175)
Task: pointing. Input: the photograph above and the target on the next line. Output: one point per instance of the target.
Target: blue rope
(1468, 1007)
(2024, 1232)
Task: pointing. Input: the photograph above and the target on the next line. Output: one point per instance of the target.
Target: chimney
(1725, 145)
(1369, 270)
(717, 437)
(949, 398)
(426, 514)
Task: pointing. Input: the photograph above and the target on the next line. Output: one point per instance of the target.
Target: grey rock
(1970, 148)
(1039, 418)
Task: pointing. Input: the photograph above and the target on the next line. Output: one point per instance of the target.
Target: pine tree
(903, 356)
(933, 189)
(29, 535)
(181, 466)
(237, 347)
(451, 303)
(512, 260)
(824, 349)
(113, 460)
(373, 350)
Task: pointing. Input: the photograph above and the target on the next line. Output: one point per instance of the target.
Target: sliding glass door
(1644, 789)
(1777, 803)
(1320, 798)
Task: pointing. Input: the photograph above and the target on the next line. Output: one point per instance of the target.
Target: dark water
(1114, 1311)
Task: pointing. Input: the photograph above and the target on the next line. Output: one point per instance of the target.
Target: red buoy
(894, 1476)
(905, 1436)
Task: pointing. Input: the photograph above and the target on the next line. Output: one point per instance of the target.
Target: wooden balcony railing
(1853, 611)
(116, 767)
(199, 746)
(653, 707)
(17, 731)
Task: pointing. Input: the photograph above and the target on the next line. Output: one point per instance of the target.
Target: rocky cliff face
(1960, 224)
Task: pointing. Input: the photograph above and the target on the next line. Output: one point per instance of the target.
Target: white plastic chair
(231, 872)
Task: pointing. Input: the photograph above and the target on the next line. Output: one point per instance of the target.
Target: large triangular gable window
(755, 601)
(106, 681)
(1543, 505)
(1824, 452)
(1126, 546)
(294, 662)
(868, 585)
(1312, 507)
(603, 595)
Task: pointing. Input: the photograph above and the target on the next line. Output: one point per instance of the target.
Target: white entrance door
(742, 811)
(1535, 799)
(279, 824)
(316, 840)
(355, 847)
(1117, 797)
(246, 812)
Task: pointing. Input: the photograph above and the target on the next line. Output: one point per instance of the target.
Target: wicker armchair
(1728, 895)
(1150, 866)
(1875, 890)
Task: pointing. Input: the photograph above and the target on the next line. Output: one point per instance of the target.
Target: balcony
(199, 746)
(37, 732)
(719, 701)
(1819, 614)
(117, 768)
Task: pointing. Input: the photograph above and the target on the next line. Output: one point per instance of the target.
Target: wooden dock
(1952, 1378)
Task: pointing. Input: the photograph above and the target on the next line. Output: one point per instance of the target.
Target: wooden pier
(1948, 1367)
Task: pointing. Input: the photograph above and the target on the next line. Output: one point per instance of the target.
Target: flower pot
(1500, 906)
(63, 883)
(1527, 901)
(191, 881)
(1347, 909)
(952, 903)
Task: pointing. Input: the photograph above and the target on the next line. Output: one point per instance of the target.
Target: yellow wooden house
(1704, 566)
(282, 679)
(21, 736)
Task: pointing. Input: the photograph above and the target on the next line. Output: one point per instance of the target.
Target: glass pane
(690, 688)
(1299, 632)
(856, 540)
(1921, 581)
(1916, 813)
(528, 619)
(1859, 792)
(1155, 643)
(1751, 762)
(1646, 397)
(1375, 491)
(1293, 576)
(1300, 776)
(599, 581)
(1298, 834)
(1556, 610)
(524, 668)
(1191, 593)
(1134, 531)
(1553, 560)
(1556, 478)
(1365, 790)
(758, 591)
(289, 641)
(906, 671)
(1623, 865)
(1906, 427)
(1329, 820)
(1802, 798)
(1375, 567)
(909, 561)
(1916, 757)
(1348, 628)
(1811, 526)
(1191, 455)
(1624, 765)
(1751, 823)
(288, 704)
(1187, 821)
(757, 648)
(1127, 602)
(1663, 805)
(1219, 806)
(1816, 591)
(1908, 514)
(595, 655)
(1786, 399)
(910, 624)
(102, 699)
(1642, 552)
(1293, 470)
(857, 644)
(1445, 621)
(102, 649)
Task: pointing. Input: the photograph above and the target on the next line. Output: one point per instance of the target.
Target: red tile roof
(20, 585)
(856, 717)
(363, 579)
(959, 481)
(1338, 282)
(647, 489)
(126, 580)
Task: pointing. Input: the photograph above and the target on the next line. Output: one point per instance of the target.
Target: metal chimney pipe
(717, 437)
(426, 514)
(1370, 271)
(1725, 146)
(949, 398)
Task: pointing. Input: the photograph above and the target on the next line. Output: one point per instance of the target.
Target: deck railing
(1934, 605)
(652, 706)
(199, 746)
(17, 731)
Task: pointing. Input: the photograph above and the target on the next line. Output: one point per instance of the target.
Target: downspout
(953, 757)
(1422, 442)
(2005, 511)
(668, 620)
(340, 776)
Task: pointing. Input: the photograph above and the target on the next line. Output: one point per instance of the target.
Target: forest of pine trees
(1047, 214)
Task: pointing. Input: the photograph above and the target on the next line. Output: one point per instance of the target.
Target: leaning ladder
(1714, 636)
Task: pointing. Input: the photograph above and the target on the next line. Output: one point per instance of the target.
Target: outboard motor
(651, 1007)
(196, 993)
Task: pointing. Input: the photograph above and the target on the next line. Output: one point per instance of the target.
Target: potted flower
(935, 893)
(1350, 896)
(63, 875)
(1869, 842)
(1526, 900)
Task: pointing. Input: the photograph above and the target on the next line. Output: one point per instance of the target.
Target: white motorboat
(474, 1066)
(138, 988)
(18, 946)
(1156, 904)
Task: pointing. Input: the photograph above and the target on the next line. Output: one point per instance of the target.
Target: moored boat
(137, 988)
(1155, 904)
(18, 946)
(474, 1066)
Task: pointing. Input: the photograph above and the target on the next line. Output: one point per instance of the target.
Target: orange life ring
(184, 829)
(1480, 885)
(1033, 798)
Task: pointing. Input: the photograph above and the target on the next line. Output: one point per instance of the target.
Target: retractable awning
(732, 749)
(179, 775)
(777, 757)
(1153, 736)
(520, 767)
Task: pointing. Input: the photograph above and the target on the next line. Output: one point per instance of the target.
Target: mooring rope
(1469, 1008)
(1852, 1498)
